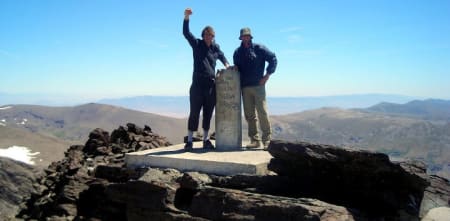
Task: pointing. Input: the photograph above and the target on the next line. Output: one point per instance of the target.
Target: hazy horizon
(54, 100)
(178, 106)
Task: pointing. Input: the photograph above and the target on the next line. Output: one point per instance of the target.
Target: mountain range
(73, 124)
(178, 106)
(431, 109)
(419, 129)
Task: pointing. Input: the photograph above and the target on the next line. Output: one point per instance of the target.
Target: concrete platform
(220, 162)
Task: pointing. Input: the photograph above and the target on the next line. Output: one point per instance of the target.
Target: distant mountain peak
(431, 109)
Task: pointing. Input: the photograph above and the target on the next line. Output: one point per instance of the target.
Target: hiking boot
(266, 144)
(188, 146)
(253, 144)
(208, 145)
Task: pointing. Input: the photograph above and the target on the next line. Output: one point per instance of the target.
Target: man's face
(208, 37)
(246, 39)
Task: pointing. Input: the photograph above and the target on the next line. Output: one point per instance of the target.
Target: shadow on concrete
(200, 150)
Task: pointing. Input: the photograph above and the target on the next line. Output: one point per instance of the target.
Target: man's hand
(232, 67)
(264, 80)
(187, 13)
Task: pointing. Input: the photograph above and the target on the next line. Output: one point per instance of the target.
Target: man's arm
(222, 57)
(186, 32)
(272, 60)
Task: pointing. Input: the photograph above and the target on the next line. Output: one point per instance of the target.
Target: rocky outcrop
(437, 194)
(74, 187)
(310, 182)
(170, 195)
(353, 178)
(438, 213)
(17, 181)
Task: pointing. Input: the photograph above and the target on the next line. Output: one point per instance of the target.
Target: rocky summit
(308, 182)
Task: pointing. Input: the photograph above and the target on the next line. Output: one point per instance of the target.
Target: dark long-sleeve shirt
(251, 62)
(204, 57)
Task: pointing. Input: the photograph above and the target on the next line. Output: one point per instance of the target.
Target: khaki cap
(244, 32)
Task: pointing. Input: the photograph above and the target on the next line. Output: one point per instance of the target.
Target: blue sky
(92, 49)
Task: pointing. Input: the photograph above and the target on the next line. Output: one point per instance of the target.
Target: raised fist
(188, 12)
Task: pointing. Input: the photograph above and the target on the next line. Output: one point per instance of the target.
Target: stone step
(219, 162)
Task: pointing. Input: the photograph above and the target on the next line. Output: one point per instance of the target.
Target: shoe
(253, 144)
(208, 145)
(266, 144)
(188, 146)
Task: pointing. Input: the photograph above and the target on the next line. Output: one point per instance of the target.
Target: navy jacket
(251, 62)
(204, 57)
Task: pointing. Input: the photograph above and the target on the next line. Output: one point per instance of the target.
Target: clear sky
(92, 49)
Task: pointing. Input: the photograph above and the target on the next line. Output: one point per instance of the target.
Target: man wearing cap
(202, 93)
(250, 59)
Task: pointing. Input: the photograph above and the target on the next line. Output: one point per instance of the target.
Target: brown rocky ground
(17, 182)
(310, 182)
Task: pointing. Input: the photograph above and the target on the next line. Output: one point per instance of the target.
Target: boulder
(437, 214)
(228, 204)
(353, 178)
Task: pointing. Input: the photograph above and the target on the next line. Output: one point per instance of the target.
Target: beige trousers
(255, 108)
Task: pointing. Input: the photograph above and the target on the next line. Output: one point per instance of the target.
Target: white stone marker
(228, 110)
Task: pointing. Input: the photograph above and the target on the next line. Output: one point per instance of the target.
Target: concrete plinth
(228, 110)
(218, 162)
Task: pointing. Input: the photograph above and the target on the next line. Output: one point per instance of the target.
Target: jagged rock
(114, 173)
(161, 175)
(194, 180)
(120, 135)
(16, 184)
(353, 178)
(97, 138)
(436, 195)
(74, 158)
(147, 129)
(269, 184)
(69, 209)
(438, 214)
(134, 129)
(227, 204)
(163, 194)
(154, 196)
(139, 214)
(94, 203)
(76, 186)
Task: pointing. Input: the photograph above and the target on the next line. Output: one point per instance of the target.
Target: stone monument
(228, 110)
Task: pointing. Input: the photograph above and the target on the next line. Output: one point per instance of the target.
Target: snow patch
(19, 153)
(4, 108)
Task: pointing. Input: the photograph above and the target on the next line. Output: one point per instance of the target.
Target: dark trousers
(201, 96)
